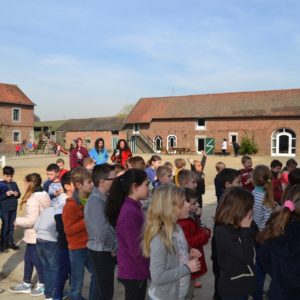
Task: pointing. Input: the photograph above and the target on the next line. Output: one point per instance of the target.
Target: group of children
(146, 219)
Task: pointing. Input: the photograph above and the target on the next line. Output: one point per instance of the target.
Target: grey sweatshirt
(101, 235)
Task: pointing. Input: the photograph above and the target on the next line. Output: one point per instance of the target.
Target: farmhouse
(201, 122)
(16, 117)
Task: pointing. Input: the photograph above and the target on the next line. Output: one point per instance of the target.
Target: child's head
(82, 180)
(120, 169)
(276, 224)
(246, 162)
(136, 162)
(103, 176)
(236, 204)
(164, 211)
(52, 172)
(220, 166)
(8, 173)
(198, 166)
(192, 197)
(61, 163)
(134, 184)
(180, 163)
(291, 164)
(188, 179)
(89, 163)
(164, 175)
(294, 176)
(66, 183)
(262, 177)
(276, 166)
(154, 161)
(168, 164)
(229, 178)
(33, 183)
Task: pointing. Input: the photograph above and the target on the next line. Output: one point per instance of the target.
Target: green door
(209, 146)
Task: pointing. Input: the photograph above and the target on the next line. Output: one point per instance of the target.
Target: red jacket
(196, 237)
(245, 175)
(74, 225)
(77, 156)
(121, 156)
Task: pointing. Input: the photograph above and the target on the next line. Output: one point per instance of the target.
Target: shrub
(248, 145)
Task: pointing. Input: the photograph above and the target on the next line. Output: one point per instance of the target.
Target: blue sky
(78, 59)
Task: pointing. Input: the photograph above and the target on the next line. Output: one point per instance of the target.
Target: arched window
(283, 142)
(158, 143)
(172, 141)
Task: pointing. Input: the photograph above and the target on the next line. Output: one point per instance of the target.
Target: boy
(52, 174)
(63, 260)
(218, 187)
(89, 164)
(246, 173)
(55, 187)
(180, 164)
(290, 165)
(8, 205)
(61, 165)
(74, 226)
(164, 176)
(276, 167)
(136, 162)
(102, 239)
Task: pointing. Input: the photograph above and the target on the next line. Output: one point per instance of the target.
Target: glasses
(110, 178)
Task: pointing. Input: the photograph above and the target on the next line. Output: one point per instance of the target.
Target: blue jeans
(47, 252)
(64, 271)
(79, 260)
(7, 231)
(31, 259)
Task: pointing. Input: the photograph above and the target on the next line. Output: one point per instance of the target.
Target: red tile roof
(12, 94)
(241, 104)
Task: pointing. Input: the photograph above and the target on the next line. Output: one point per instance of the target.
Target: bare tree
(125, 110)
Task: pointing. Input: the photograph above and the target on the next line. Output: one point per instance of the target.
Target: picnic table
(180, 150)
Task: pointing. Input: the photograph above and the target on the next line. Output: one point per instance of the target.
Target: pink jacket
(34, 206)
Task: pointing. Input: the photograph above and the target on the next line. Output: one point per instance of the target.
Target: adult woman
(122, 153)
(78, 154)
(99, 154)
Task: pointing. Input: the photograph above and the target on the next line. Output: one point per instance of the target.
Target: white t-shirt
(224, 145)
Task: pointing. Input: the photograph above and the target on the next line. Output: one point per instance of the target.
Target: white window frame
(168, 148)
(275, 149)
(200, 127)
(12, 114)
(157, 137)
(12, 138)
(202, 137)
(232, 134)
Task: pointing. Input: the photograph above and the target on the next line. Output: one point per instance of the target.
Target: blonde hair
(161, 217)
(179, 163)
(34, 181)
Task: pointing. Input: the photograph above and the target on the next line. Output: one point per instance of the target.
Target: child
(89, 164)
(153, 163)
(61, 165)
(136, 162)
(162, 243)
(246, 173)
(164, 176)
(124, 212)
(235, 242)
(120, 170)
(55, 187)
(280, 250)
(18, 149)
(35, 200)
(187, 179)
(8, 206)
(294, 179)
(218, 186)
(102, 239)
(192, 198)
(224, 147)
(196, 237)
(290, 165)
(276, 167)
(180, 164)
(52, 175)
(74, 226)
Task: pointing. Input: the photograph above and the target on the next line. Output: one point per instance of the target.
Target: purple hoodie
(132, 263)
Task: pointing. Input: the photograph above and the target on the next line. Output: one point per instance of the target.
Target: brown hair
(262, 176)
(220, 166)
(34, 181)
(79, 175)
(87, 161)
(235, 205)
(276, 224)
(136, 162)
(179, 163)
(245, 158)
(162, 171)
(184, 176)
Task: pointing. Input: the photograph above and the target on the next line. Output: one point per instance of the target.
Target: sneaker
(4, 249)
(22, 288)
(13, 246)
(38, 290)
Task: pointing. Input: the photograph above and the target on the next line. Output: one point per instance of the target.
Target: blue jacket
(100, 157)
(9, 202)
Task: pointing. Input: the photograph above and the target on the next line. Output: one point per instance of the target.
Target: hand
(203, 153)
(194, 265)
(191, 161)
(113, 254)
(246, 222)
(16, 193)
(8, 193)
(195, 253)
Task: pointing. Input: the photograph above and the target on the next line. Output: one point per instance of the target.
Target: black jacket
(280, 258)
(9, 202)
(236, 259)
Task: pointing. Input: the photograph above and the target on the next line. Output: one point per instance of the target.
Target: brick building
(16, 117)
(271, 118)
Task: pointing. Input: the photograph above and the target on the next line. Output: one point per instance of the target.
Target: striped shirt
(261, 213)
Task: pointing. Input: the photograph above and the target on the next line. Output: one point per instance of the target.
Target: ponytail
(34, 181)
(269, 195)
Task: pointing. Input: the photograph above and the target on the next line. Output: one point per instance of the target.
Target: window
(158, 142)
(172, 141)
(136, 128)
(233, 137)
(16, 136)
(16, 114)
(200, 124)
(283, 142)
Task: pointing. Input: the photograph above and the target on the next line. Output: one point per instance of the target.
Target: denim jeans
(7, 231)
(104, 270)
(47, 252)
(79, 260)
(64, 272)
(31, 259)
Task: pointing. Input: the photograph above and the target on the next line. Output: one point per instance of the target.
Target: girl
(99, 154)
(152, 165)
(35, 200)
(290, 165)
(124, 212)
(163, 240)
(122, 153)
(280, 251)
(78, 154)
(235, 242)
